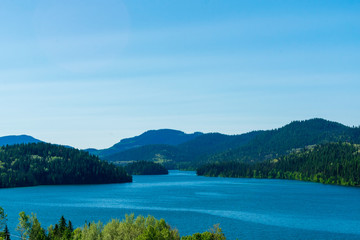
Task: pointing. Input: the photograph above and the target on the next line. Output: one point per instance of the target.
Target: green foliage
(92, 231)
(24, 225)
(6, 233)
(139, 228)
(158, 230)
(48, 164)
(186, 155)
(3, 219)
(251, 147)
(296, 135)
(61, 230)
(160, 153)
(145, 168)
(214, 234)
(331, 163)
(130, 228)
(36, 231)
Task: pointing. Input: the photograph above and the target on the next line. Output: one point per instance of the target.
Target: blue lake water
(245, 208)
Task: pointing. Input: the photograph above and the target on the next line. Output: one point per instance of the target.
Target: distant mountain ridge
(297, 134)
(254, 146)
(176, 149)
(161, 136)
(184, 155)
(17, 139)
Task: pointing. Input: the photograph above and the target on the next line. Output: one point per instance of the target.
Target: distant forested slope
(331, 163)
(146, 168)
(252, 147)
(151, 137)
(17, 139)
(185, 155)
(47, 164)
(298, 134)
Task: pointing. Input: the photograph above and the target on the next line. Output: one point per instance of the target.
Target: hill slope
(47, 164)
(331, 163)
(185, 155)
(162, 136)
(298, 134)
(250, 147)
(146, 168)
(11, 140)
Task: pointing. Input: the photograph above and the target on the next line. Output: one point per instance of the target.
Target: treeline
(187, 155)
(145, 168)
(130, 228)
(48, 164)
(279, 142)
(332, 163)
(251, 147)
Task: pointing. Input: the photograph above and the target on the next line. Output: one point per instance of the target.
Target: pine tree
(6, 233)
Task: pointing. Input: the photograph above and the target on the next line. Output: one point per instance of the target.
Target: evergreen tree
(24, 225)
(6, 233)
(49, 164)
(36, 231)
(332, 163)
(3, 219)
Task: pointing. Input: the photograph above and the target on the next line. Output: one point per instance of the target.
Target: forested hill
(254, 146)
(47, 164)
(298, 134)
(17, 139)
(151, 137)
(146, 168)
(186, 155)
(331, 163)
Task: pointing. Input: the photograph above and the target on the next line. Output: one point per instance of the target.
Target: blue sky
(89, 73)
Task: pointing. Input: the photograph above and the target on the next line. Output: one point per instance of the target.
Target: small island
(35, 164)
(146, 168)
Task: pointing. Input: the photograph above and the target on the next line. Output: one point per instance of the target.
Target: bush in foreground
(130, 228)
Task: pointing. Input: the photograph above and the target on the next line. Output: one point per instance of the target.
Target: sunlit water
(245, 208)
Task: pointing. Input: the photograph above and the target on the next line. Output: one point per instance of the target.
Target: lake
(244, 208)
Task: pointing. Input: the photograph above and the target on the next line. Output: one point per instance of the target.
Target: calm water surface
(245, 208)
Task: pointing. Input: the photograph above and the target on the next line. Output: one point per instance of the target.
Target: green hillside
(146, 168)
(252, 147)
(151, 137)
(331, 163)
(298, 134)
(47, 164)
(185, 155)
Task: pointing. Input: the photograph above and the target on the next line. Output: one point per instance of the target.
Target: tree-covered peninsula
(48, 164)
(332, 163)
(146, 168)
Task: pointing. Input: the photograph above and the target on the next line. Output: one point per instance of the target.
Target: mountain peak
(160, 136)
(316, 123)
(17, 139)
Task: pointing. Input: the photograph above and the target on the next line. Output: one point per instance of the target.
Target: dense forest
(130, 228)
(187, 155)
(331, 163)
(279, 142)
(47, 164)
(145, 168)
(162, 137)
(252, 147)
(20, 166)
